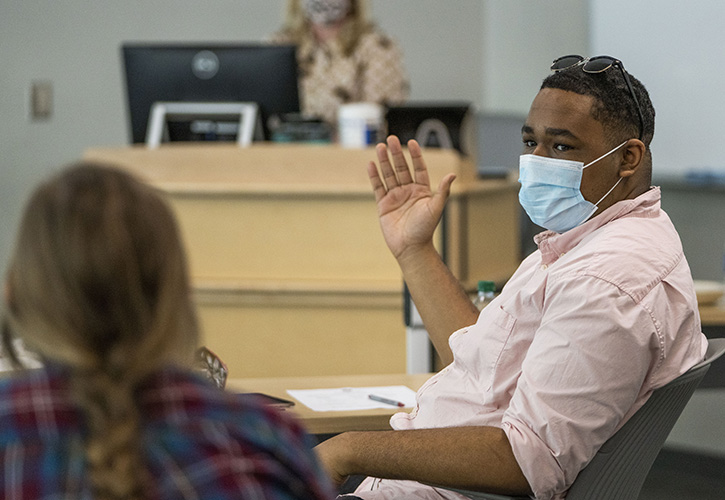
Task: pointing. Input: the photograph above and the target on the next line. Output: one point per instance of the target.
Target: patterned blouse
(198, 442)
(374, 72)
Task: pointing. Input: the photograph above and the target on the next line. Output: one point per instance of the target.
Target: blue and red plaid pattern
(198, 442)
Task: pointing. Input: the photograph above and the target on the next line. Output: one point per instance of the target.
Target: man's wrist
(343, 450)
(415, 256)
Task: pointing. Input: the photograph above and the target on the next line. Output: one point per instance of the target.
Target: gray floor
(684, 475)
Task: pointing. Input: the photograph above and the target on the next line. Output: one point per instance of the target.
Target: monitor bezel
(138, 93)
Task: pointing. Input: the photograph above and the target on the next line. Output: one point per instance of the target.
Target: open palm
(409, 211)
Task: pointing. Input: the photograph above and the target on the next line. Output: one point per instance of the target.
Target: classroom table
(332, 422)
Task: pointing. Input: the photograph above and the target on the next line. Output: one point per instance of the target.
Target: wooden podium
(291, 273)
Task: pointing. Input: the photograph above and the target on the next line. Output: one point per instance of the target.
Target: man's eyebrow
(560, 132)
(556, 132)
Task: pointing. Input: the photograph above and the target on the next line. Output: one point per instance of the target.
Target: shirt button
(544, 267)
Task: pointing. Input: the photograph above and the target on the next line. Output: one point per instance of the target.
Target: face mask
(325, 12)
(550, 191)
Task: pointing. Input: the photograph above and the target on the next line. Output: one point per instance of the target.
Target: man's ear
(633, 153)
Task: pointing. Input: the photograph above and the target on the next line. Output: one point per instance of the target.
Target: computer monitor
(194, 72)
(449, 125)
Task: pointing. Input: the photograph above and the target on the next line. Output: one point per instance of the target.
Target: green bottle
(486, 293)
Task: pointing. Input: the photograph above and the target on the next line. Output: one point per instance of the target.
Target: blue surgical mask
(551, 191)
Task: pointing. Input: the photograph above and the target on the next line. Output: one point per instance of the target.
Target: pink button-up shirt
(580, 336)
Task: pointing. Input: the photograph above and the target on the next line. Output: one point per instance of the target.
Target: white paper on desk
(352, 398)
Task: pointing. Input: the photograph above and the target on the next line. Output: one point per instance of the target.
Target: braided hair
(98, 283)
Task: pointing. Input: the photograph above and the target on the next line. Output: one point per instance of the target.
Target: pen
(385, 400)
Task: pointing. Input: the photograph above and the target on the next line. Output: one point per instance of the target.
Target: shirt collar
(553, 245)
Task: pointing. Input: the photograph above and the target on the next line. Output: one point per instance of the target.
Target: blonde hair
(98, 283)
(296, 27)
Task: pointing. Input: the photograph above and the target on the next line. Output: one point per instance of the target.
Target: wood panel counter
(291, 273)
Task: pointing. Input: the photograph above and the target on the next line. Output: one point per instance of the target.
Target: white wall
(442, 43)
(674, 48)
(522, 39)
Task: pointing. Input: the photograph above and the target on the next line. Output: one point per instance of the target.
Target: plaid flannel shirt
(198, 442)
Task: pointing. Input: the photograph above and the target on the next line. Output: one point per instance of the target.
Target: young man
(594, 320)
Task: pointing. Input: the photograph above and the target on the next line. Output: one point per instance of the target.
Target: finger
(401, 165)
(376, 182)
(444, 190)
(420, 170)
(386, 169)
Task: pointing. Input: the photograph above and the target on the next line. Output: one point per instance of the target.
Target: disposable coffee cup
(359, 124)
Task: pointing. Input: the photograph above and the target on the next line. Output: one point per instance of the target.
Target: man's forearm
(475, 458)
(442, 302)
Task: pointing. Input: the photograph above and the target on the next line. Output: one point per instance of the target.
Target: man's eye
(562, 147)
(529, 143)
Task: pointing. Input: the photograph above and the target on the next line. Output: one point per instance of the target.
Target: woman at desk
(342, 56)
(97, 287)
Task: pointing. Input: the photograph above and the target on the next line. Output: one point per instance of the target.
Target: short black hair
(614, 106)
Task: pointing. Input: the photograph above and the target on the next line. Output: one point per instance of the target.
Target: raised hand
(409, 211)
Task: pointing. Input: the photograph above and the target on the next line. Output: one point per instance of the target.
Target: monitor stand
(203, 118)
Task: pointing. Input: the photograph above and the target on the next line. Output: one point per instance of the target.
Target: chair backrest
(621, 465)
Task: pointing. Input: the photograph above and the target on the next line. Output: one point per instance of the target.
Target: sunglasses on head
(599, 64)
